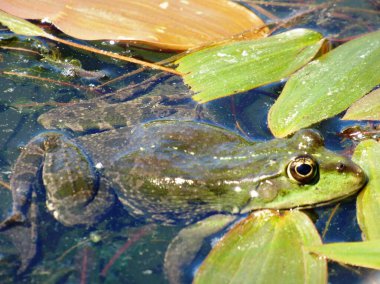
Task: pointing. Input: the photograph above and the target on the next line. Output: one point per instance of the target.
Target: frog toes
(15, 218)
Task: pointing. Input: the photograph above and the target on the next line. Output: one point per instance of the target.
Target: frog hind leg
(88, 214)
(25, 237)
(184, 247)
(76, 194)
(24, 208)
(23, 178)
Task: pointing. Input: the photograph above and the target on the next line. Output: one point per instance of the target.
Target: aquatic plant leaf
(366, 254)
(266, 247)
(327, 86)
(183, 249)
(20, 26)
(367, 108)
(235, 67)
(34, 10)
(367, 155)
(172, 25)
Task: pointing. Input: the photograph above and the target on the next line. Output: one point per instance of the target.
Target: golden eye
(303, 169)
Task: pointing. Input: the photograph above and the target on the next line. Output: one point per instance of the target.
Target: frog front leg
(74, 192)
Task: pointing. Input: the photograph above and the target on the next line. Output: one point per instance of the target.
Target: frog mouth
(334, 200)
(321, 204)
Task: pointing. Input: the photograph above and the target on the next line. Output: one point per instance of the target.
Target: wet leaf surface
(367, 108)
(236, 67)
(366, 254)
(367, 155)
(266, 247)
(327, 86)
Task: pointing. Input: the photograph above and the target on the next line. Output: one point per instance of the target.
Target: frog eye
(302, 169)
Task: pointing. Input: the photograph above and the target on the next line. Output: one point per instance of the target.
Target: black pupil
(304, 169)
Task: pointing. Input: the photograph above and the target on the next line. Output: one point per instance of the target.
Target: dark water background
(66, 254)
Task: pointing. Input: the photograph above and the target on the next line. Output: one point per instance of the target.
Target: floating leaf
(20, 26)
(366, 254)
(223, 70)
(38, 9)
(367, 108)
(184, 247)
(266, 247)
(327, 86)
(174, 25)
(367, 155)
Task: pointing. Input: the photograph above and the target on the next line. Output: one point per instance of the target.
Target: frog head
(307, 174)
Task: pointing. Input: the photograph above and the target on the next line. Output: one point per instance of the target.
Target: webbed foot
(14, 219)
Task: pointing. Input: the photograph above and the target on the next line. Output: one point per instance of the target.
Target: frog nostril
(340, 167)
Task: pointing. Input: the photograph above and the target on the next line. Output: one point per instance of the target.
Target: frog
(171, 166)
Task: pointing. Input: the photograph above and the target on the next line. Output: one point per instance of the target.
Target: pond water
(83, 254)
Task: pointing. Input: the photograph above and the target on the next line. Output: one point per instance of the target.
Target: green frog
(172, 169)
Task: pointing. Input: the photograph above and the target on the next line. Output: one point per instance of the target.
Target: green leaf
(183, 249)
(367, 108)
(266, 247)
(235, 67)
(366, 254)
(20, 26)
(327, 86)
(367, 155)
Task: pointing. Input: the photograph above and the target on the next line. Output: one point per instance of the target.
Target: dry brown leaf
(167, 24)
(34, 10)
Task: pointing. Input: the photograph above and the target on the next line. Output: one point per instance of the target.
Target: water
(80, 255)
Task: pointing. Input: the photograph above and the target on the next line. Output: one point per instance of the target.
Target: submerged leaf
(223, 70)
(327, 86)
(367, 155)
(367, 108)
(266, 247)
(174, 25)
(366, 254)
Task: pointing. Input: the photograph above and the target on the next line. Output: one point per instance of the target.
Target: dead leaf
(168, 24)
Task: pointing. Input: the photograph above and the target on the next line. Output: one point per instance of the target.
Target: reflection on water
(80, 254)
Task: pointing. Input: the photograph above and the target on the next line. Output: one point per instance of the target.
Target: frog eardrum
(303, 169)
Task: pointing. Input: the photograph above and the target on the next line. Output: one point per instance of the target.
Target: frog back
(176, 170)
